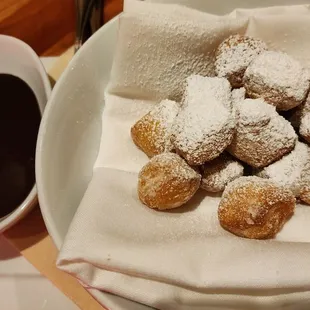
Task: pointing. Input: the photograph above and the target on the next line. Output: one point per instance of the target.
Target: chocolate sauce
(19, 125)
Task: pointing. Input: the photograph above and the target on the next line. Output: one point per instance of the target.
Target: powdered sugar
(237, 95)
(300, 119)
(304, 116)
(264, 192)
(219, 172)
(234, 55)
(181, 168)
(159, 52)
(254, 112)
(245, 181)
(197, 87)
(304, 129)
(288, 170)
(254, 211)
(305, 183)
(165, 113)
(262, 136)
(278, 78)
(204, 127)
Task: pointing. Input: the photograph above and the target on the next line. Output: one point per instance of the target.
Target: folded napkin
(180, 259)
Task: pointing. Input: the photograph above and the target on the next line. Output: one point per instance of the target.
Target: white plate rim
(110, 300)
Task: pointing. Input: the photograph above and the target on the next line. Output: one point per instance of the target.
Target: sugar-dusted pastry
(219, 172)
(299, 117)
(304, 116)
(277, 78)
(305, 183)
(262, 136)
(167, 182)
(292, 171)
(152, 132)
(304, 129)
(237, 95)
(234, 55)
(255, 208)
(289, 169)
(205, 125)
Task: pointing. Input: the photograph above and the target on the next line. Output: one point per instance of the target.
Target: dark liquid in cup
(19, 124)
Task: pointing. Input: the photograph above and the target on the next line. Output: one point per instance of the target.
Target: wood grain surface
(48, 26)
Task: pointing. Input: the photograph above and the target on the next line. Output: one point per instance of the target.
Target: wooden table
(48, 26)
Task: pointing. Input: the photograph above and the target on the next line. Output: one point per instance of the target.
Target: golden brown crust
(144, 134)
(151, 132)
(255, 208)
(167, 182)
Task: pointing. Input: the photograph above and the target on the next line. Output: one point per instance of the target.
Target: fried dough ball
(234, 55)
(262, 136)
(152, 132)
(219, 172)
(288, 171)
(205, 125)
(304, 129)
(167, 182)
(255, 208)
(277, 78)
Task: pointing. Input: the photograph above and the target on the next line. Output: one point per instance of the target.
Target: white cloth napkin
(181, 259)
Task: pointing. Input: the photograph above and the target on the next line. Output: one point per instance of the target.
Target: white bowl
(18, 59)
(69, 138)
(70, 131)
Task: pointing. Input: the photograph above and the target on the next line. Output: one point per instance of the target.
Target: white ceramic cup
(18, 59)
